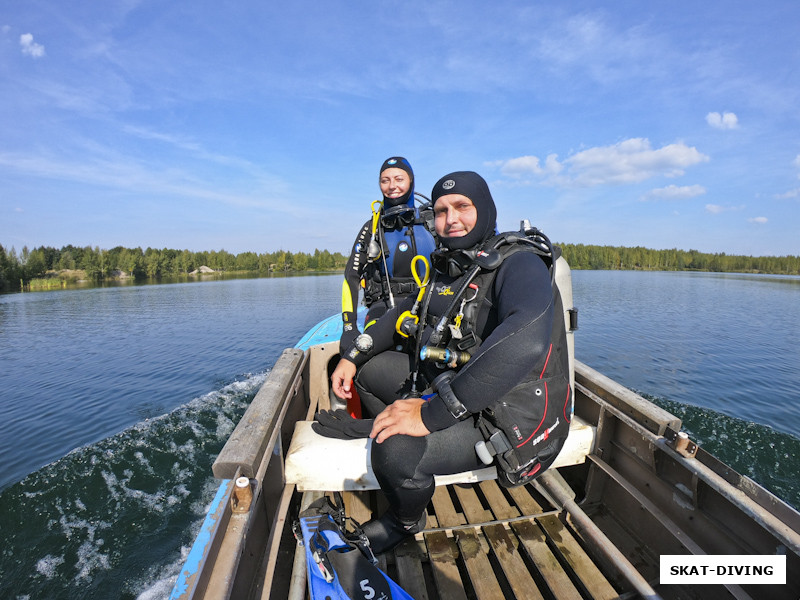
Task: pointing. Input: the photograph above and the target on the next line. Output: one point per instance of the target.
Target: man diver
(384, 248)
(500, 329)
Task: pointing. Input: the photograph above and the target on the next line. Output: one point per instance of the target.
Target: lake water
(116, 401)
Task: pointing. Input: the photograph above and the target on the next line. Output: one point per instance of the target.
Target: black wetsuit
(515, 328)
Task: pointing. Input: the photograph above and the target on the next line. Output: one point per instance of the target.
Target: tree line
(96, 264)
(580, 256)
(20, 268)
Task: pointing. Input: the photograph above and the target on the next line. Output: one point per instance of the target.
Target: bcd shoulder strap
(505, 245)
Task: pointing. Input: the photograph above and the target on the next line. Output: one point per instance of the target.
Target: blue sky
(257, 126)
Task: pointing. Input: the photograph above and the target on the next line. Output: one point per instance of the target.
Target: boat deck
(478, 544)
(592, 530)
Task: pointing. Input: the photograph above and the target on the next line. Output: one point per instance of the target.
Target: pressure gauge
(364, 343)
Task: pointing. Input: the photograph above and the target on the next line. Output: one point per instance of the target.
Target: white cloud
(122, 173)
(795, 193)
(520, 166)
(629, 161)
(758, 220)
(726, 120)
(529, 165)
(716, 209)
(675, 192)
(30, 47)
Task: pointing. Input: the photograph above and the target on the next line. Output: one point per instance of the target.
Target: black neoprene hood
(474, 187)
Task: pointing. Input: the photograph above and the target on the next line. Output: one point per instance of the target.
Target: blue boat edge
(327, 330)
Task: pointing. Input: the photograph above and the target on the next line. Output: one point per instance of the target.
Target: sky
(259, 126)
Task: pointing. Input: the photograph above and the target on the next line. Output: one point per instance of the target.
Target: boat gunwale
(651, 422)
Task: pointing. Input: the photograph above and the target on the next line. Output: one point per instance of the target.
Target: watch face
(364, 342)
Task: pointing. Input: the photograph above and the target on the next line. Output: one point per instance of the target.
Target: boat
(628, 489)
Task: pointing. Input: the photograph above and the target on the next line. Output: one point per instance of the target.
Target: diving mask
(398, 216)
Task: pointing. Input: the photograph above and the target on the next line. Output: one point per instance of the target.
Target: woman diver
(384, 248)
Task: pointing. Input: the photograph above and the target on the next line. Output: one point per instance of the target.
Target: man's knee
(397, 460)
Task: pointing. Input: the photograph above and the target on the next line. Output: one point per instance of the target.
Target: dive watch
(364, 343)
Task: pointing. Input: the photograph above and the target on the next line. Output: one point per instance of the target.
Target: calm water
(116, 400)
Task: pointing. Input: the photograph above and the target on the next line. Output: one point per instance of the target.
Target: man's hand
(401, 416)
(342, 379)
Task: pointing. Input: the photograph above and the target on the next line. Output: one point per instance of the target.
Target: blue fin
(338, 570)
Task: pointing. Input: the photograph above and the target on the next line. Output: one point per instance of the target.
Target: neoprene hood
(474, 187)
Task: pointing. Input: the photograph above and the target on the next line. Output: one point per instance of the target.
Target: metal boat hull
(591, 530)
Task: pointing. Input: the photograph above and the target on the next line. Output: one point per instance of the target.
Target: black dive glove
(340, 425)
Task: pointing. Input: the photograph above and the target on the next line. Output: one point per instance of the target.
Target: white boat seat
(318, 463)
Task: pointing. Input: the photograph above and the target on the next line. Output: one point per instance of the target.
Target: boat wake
(769, 457)
(115, 519)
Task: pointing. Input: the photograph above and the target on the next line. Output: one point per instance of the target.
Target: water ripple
(87, 524)
(109, 429)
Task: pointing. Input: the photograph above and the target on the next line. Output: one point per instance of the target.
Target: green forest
(580, 256)
(47, 267)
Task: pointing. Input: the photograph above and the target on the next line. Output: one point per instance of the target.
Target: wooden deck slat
(524, 501)
(571, 551)
(502, 544)
(532, 539)
(446, 514)
(444, 567)
(471, 504)
(548, 545)
(534, 543)
(410, 575)
(481, 574)
(590, 576)
(514, 568)
(499, 504)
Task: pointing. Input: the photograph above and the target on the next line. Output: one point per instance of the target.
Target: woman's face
(455, 215)
(394, 182)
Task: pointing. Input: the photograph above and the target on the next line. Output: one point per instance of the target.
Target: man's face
(455, 215)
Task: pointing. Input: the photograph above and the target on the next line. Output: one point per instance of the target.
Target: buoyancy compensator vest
(526, 428)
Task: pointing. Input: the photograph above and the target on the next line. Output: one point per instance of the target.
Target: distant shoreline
(51, 268)
(46, 268)
(71, 279)
(77, 279)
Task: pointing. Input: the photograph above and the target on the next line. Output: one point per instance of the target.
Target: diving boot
(387, 531)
